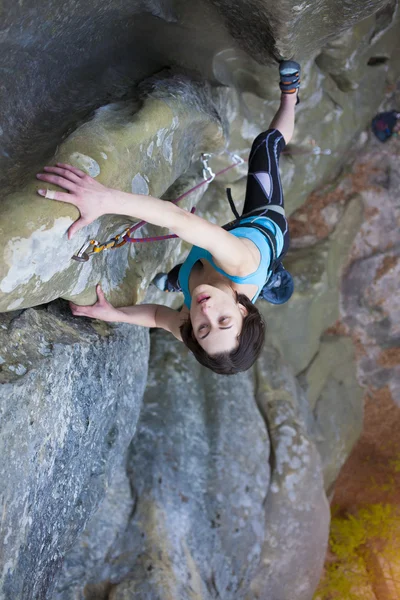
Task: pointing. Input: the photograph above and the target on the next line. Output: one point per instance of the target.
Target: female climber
(225, 271)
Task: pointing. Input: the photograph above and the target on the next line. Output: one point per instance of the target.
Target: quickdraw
(94, 247)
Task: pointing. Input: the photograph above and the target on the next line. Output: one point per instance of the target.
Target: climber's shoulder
(171, 320)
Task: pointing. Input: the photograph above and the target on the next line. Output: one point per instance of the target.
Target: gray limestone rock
(336, 401)
(291, 28)
(65, 426)
(296, 508)
(78, 57)
(215, 512)
(371, 302)
(296, 327)
(221, 492)
(90, 565)
(197, 510)
(178, 120)
(346, 56)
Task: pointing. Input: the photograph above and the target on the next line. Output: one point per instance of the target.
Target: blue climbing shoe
(289, 72)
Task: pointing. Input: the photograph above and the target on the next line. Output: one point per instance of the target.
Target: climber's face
(216, 318)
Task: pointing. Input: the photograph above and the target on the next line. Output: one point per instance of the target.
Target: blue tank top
(259, 277)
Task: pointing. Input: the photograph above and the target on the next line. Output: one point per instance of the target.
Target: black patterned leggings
(264, 187)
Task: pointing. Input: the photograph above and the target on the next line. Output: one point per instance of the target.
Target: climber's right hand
(90, 197)
(101, 309)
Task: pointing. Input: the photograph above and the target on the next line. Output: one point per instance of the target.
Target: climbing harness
(94, 247)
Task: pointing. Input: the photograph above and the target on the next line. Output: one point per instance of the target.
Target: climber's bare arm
(154, 315)
(93, 200)
(146, 315)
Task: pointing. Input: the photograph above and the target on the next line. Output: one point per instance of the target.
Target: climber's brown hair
(251, 340)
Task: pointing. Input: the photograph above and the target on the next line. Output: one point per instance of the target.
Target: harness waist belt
(274, 207)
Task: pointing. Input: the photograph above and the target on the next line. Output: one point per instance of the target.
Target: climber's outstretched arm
(94, 200)
(146, 315)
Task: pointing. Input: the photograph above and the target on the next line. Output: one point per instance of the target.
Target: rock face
(292, 29)
(335, 397)
(194, 522)
(208, 520)
(298, 325)
(371, 305)
(37, 264)
(79, 57)
(65, 426)
(297, 512)
(219, 491)
(207, 474)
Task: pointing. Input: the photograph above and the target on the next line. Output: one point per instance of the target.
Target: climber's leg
(168, 282)
(289, 72)
(283, 120)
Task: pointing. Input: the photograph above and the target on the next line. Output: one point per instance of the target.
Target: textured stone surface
(327, 117)
(336, 400)
(214, 512)
(344, 57)
(216, 498)
(176, 122)
(290, 28)
(89, 567)
(65, 426)
(296, 509)
(28, 337)
(296, 327)
(371, 303)
(369, 314)
(79, 57)
(201, 505)
(195, 527)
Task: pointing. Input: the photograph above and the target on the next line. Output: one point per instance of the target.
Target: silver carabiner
(208, 174)
(82, 255)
